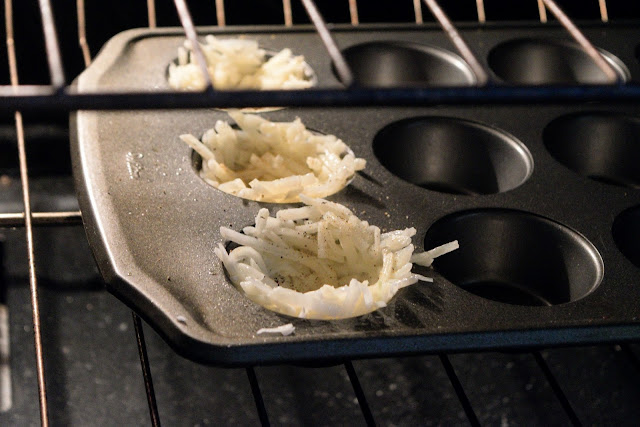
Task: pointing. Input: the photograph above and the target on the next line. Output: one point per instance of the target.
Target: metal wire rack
(59, 95)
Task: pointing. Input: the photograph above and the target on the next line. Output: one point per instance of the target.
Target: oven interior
(92, 362)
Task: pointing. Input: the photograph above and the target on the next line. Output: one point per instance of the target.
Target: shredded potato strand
(239, 64)
(319, 261)
(273, 162)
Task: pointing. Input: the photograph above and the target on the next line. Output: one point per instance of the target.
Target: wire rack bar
(151, 13)
(51, 44)
(482, 17)
(33, 283)
(40, 219)
(362, 399)
(288, 13)
(11, 51)
(604, 14)
(26, 198)
(220, 14)
(41, 98)
(353, 12)
(457, 387)
(82, 33)
(575, 32)
(192, 36)
(257, 397)
(542, 11)
(450, 30)
(417, 11)
(342, 68)
(146, 370)
(555, 386)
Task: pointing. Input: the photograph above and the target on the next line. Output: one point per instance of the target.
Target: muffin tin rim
(534, 212)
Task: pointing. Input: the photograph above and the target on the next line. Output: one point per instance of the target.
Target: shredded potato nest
(320, 261)
(273, 162)
(239, 64)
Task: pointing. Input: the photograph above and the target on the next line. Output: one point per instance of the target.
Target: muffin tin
(543, 199)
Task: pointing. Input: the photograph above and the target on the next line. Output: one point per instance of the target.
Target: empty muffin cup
(394, 63)
(548, 62)
(626, 234)
(602, 146)
(453, 155)
(516, 257)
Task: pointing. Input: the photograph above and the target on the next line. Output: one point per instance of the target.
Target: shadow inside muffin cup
(516, 257)
(453, 155)
(392, 63)
(626, 234)
(600, 145)
(548, 62)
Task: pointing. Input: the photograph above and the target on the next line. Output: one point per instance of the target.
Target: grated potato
(273, 162)
(320, 261)
(239, 64)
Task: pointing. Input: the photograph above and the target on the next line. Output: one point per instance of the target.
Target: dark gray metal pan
(525, 213)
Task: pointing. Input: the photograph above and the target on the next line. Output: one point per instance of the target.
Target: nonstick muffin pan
(544, 200)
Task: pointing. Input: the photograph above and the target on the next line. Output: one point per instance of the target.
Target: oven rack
(60, 96)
